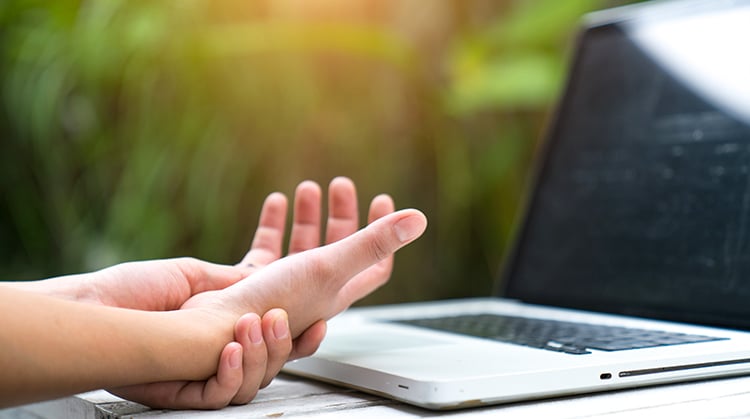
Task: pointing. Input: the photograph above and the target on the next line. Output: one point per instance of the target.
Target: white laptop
(632, 262)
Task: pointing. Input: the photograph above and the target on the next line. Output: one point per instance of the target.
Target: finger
(379, 240)
(269, 236)
(343, 214)
(306, 225)
(205, 276)
(220, 389)
(309, 341)
(213, 393)
(278, 341)
(376, 275)
(381, 206)
(366, 249)
(249, 334)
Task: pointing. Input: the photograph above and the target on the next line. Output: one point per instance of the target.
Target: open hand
(315, 282)
(262, 357)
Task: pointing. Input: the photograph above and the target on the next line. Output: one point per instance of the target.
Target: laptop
(631, 265)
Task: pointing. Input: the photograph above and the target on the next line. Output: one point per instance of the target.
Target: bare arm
(54, 347)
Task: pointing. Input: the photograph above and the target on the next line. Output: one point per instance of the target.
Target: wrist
(196, 338)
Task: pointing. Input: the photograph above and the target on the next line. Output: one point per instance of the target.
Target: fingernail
(256, 332)
(409, 228)
(281, 327)
(235, 360)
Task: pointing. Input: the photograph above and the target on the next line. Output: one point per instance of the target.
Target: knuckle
(378, 249)
(187, 260)
(188, 265)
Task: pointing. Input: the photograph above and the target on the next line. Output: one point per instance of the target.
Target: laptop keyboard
(553, 335)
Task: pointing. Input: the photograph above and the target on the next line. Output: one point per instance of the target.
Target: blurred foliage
(146, 129)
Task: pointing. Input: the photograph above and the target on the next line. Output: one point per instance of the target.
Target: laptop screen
(642, 202)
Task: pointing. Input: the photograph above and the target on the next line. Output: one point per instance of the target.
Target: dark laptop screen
(642, 203)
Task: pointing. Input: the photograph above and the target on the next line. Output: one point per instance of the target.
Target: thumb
(376, 242)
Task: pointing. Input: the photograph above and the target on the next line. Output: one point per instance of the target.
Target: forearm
(71, 287)
(54, 347)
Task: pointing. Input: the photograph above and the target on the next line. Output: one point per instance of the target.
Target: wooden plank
(70, 407)
(289, 396)
(286, 396)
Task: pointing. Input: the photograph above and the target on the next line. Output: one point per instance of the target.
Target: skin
(160, 326)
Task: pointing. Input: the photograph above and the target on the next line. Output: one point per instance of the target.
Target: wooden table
(295, 397)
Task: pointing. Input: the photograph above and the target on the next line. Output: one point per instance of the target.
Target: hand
(315, 283)
(232, 384)
(262, 347)
(342, 221)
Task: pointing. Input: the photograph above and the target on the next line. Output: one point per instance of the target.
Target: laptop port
(605, 376)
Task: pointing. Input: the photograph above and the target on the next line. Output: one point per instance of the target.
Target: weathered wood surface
(294, 397)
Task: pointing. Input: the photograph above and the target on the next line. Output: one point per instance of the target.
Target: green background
(151, 129)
